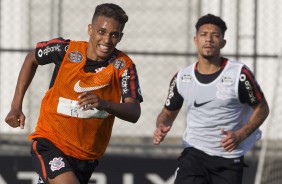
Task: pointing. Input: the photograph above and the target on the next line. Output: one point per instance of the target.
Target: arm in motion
(164, 122)
(16, 117)
(234, 138)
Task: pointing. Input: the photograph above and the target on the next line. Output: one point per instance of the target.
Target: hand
(88, 100)
(230, 140)
(160, 134)
(15, 118)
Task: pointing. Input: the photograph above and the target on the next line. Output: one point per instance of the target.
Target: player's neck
(205, 66)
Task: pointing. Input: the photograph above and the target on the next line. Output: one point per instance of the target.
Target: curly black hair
(211, 19)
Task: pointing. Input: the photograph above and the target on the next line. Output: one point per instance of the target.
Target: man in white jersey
(225, 109)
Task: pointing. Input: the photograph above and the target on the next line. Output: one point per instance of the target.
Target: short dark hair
(211, 19)
(111, 11)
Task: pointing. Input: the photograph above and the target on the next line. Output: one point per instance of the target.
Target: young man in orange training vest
(77, 113)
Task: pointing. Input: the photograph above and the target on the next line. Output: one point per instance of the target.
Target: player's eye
(101, 32)
(217, 35)
(203, 34)
(115, 35)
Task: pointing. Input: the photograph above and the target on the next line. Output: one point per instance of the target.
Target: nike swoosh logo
(201, 104)
(79, 89)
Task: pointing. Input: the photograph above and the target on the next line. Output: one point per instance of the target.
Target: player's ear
(90, 31)
(223, 43)
(196, 41)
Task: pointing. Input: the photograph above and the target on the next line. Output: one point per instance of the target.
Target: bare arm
(15, 117)
(164, 122)
(129, 110)
(233, 139)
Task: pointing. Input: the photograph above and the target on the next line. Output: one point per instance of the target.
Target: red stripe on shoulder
(196, 66)
(132, 82)
(44, 44)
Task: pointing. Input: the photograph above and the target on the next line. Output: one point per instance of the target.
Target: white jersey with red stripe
(212, 107)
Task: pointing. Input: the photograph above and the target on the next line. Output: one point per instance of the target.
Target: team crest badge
(119, 64)
(57, 164)
(75, 56)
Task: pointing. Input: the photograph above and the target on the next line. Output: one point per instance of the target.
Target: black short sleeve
(249, 89)
(174, 100)
(130, 84)
(52, 51)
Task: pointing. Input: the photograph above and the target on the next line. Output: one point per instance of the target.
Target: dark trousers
(197, 167)
(49, 162)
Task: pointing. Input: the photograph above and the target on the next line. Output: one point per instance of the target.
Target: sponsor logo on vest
(201, 104)
(75, 56)
(79, 89)
(227, 81)
(48, 49)
(186, 78)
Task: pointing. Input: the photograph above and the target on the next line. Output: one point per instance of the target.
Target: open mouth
(104, 48)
